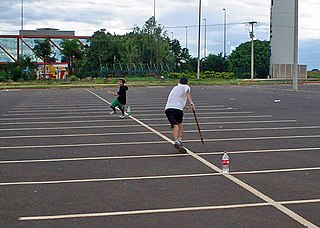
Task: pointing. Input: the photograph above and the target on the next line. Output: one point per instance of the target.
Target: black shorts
(175, 116)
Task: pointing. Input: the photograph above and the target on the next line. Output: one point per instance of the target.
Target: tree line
(145, 50)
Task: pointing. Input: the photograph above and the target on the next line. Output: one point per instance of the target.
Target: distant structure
(282, 40)
(11, 48)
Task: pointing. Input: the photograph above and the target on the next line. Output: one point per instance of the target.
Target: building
(12, 46)
(282, 40)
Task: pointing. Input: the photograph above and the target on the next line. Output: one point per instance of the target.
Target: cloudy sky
(119, 16)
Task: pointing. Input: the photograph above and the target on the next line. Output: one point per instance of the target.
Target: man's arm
(190, 99)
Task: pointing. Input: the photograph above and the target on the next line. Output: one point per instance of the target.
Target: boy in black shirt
(121, 99)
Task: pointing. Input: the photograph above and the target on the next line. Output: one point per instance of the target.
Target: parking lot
(65, 162)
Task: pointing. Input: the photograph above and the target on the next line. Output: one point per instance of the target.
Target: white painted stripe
(166, 210)
(80, 145)
(112, 179)
(94, 111)
(76, 135)
(93, 158)
(254, 191)
(103, 116)
(156, 155)
(275, 171)
(110, 120)
(108, 179)
(256, 138)
(153, 125)
(140, 212)
(163, 132)
(157, 142)
(95, 107)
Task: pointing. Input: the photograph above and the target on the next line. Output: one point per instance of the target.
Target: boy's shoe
(122, 116)
(113, 112)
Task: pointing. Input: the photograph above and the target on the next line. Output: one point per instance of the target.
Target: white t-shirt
(177, 98)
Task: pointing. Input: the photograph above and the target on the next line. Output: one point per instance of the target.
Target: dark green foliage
(240, 59)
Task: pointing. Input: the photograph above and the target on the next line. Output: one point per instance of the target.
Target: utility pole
(295, 49)
(199, 40)
(252, 25)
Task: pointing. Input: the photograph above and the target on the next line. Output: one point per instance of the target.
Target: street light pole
(154, 10)
(295, 49)
(252, 24)
(21, 32)
(199, 41)
(224, 32)
(205, 38)
(186, 36)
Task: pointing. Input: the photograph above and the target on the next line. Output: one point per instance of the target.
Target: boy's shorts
(116, 103)
(175, 116)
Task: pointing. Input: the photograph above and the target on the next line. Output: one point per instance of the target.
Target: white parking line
(153, 125)
(71, 181)
(108, 120)
(163, 132)
(88, 108)
(254, 191)
(157, 155)
(170, 210)
(156, 142)
(104, 116)
(94, 111)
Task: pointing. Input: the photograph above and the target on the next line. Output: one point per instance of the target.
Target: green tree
(100, 52)
(240, 59)
(182, 58)
(216, 63)
(42, 49)
(72, 50)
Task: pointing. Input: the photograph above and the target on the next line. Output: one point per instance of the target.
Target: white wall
(282, 32)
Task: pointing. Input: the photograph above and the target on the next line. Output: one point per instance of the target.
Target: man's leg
(175, 131)
(180, 132)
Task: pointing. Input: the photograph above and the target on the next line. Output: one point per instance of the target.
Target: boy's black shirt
(122, 98)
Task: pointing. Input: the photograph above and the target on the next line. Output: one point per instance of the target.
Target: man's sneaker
(177, 144)
(113, 112)
(122, 116)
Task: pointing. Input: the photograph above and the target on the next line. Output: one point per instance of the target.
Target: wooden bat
(195, 117)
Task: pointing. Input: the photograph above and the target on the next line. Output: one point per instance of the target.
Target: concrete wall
(285, 71)
(281, 32)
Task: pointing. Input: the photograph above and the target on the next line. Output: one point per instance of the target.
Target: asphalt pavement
(65, 162)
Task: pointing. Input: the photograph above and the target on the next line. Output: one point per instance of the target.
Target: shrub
(73, 78)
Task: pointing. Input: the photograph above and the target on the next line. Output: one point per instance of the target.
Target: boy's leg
(113, 106)
(121, 107)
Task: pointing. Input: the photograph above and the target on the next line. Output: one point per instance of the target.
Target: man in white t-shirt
(176, 102)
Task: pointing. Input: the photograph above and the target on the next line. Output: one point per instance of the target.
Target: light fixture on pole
(199, 40)
(295, 49)
(224, 32)
(205, 38)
